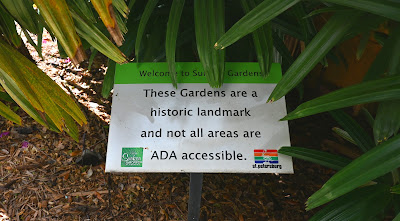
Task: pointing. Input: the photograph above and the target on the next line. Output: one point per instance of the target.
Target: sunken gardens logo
(266, 159)
(132, 157)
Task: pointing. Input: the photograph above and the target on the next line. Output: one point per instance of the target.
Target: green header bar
(193, 72)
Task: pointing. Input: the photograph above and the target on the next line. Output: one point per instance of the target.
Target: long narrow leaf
(370, 201)
(121, 6)
(151, 4)
(8, 29)
(287, 59)
(82, 8)
(127, 49)
(56, 13)
(22, 11)
(373, 164)
(381, 63)
(362, 45)
(387, 121)
(366, 92)
(9, 114)
(332, 32)
(209, 20)
(38, 46)
(386, 8)
(106, 12)
(306, 24)
(70, 127)
(257, 17)
(262, 38)
(315, 156)
(108, 82)
(17, 95)
(43, 94)
(356, 132)
(172, 35)
(97, 39)
(287, 28)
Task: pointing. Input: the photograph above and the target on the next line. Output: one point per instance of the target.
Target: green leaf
(257, 17)
(386, 8)
(371, 165)
(366, 92)
(368, 117)
(97, 39)
(57, 15)
(379, 66)
(306, 24)
(262, 38)
(356, 132)
(172, 35)
(209, 20)
(154, 43)
(287, 59)
(387, 121)
(332, 32)
(4, 96)
(395, 189)
(24, 14)
(329, 9)
(285, 27)
(121, 6)
(8, 29)
(360, 204)
(394, 65)
(83, 9)
(121, 23)
(38, 47)
(151, 4)
(108, 82)
(363, 44)
(315, 156)
(397, 218)
(92, 56)
(9, 114)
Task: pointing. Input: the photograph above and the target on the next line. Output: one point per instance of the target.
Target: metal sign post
(195, 187)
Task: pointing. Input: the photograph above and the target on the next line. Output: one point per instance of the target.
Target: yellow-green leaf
(42, 93)
(106, 12)
(9, 114)
(57, 15)
(97, 39)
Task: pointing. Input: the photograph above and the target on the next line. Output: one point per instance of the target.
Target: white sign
(195, 128)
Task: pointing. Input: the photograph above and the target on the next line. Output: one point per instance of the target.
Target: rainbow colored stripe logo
(265, 156)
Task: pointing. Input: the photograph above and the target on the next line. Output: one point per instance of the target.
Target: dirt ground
(40, 178)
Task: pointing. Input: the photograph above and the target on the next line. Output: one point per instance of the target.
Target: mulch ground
(40, 178)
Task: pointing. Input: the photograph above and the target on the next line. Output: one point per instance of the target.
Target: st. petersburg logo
(267, 158)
